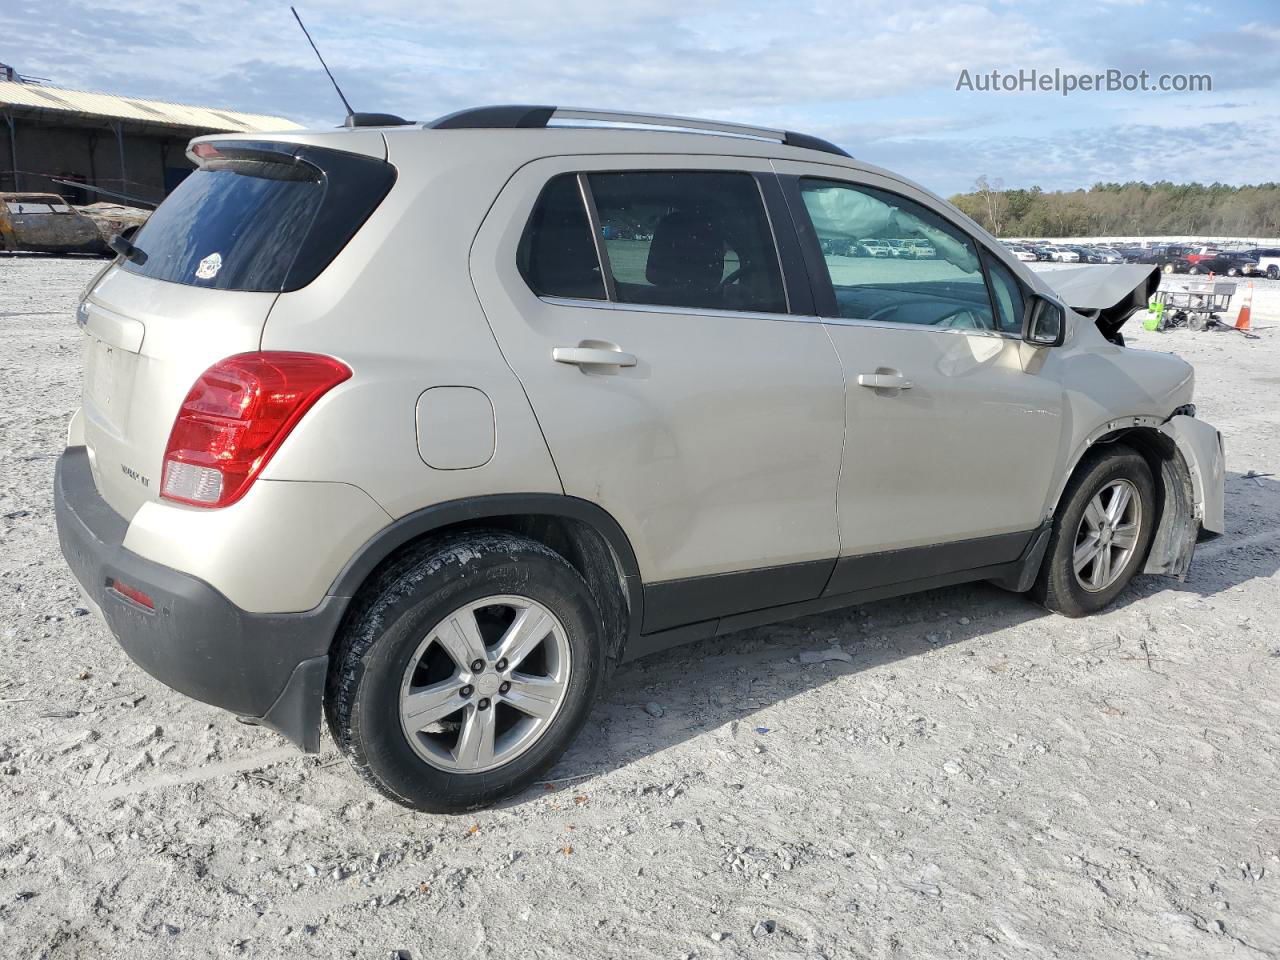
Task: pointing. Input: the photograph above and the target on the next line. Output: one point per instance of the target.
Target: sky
(879, 78)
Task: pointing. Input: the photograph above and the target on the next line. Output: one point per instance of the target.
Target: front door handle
(884, 381)
(593, 356)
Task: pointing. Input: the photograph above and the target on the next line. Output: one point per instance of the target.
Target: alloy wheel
(1107, 535)
(485, 684)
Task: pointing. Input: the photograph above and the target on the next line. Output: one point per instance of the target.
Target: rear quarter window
(260, 217)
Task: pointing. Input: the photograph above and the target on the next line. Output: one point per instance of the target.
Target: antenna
(350, 113)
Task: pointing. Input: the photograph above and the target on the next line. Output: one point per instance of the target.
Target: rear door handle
(884, 381)
(588, 356)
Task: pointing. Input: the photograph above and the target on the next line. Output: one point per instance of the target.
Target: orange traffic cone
(1242, 321)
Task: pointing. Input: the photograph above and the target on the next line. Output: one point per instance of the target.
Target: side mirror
(1046, 323)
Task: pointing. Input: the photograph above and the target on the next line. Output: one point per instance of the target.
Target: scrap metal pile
(46, 223)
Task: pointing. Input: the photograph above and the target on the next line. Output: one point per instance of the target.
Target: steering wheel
(733, 277)
(962, 319)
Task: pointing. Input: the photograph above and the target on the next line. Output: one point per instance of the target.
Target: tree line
(1126, 209)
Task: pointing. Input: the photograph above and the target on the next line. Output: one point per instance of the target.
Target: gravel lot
(970, 777)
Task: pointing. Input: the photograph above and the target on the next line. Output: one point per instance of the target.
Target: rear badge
(209, 267)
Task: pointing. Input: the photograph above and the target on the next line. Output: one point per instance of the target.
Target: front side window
(1007, 294)
(688, 239)
(893, 260)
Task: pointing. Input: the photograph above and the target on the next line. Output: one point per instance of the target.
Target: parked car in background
(1231, 263)
(1195, 254)
(1268, 261)
(871, 247)
(1086, 254)
(839, 246)
(1107, 255)
(1062, 254)
(1025, 254)
(923, 249)
(46, 223)
(1170, 259)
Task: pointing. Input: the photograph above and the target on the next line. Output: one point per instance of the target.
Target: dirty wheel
(469, 666)
(1100, 534)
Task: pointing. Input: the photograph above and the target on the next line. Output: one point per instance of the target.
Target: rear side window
(557, 255)
(256, 218)
(688, 239)
(892, 260)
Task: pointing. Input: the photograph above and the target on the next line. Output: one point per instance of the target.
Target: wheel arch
(1175, 534)
(586, 535)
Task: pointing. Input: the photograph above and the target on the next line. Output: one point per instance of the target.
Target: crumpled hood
(1109, 293)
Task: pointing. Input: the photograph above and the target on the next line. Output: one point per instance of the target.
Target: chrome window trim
(747, 315)
(675, 311)
(923, 327)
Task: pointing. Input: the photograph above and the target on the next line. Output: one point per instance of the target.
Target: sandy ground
(976, 779)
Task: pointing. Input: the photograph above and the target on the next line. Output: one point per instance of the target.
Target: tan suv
(426, 427)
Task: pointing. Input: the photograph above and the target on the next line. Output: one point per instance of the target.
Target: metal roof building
(126, 145)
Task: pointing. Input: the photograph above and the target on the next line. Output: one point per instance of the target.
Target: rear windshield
(253, 218)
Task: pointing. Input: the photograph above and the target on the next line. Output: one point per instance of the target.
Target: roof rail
(520, 116)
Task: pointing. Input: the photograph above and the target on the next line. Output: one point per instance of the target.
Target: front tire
(1101, 533)
(466, 669)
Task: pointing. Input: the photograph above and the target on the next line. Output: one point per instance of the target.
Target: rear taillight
(235, 417)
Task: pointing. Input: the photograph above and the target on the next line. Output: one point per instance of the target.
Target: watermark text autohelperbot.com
(1065, 83)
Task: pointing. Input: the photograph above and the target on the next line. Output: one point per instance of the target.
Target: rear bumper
(267, 666)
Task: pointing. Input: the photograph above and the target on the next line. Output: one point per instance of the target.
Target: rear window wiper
(127, 250)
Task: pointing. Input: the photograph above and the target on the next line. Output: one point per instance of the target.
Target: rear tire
(1066, 585)
(403, 640)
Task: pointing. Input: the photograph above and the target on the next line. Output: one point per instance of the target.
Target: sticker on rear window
(209, 267)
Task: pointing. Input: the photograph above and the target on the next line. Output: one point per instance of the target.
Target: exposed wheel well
(614, 588)
(1174, 537)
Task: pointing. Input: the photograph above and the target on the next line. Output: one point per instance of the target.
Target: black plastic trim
(375, 120)
(795, 272)
(500, 117)
(672, 603)
(411, 526)
(807, 142)
(821, 290)
(295, 712)
(915, 563)
(478, 509)
(932, 571)
(195, 640)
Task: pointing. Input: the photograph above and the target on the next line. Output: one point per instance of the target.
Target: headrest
(687, 251)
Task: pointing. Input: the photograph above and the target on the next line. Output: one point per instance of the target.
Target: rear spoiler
(1109, 294)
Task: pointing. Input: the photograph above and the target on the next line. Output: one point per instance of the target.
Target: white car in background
(1023, 254)
(875, 248)
(1063, 255)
